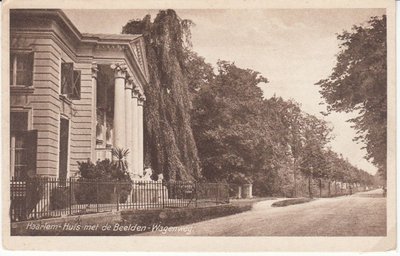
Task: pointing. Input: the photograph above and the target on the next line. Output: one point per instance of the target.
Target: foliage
(228, 134)
(98, 182)
(170, 148)
(104, 170)
(60, 198)
(239, 178)
(358, 83)
(198, 73)
(242, 137)
(120, 155)
(316, 135)
(102, 192)
(217, 117)
(36, 188)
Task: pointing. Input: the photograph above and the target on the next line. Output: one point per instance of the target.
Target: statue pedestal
(247, 191)
(148, 193)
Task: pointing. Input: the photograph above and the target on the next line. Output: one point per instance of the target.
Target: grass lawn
(291, 202)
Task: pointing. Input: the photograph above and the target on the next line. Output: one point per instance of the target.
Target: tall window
(70, 81)
(21, 68)
(23, 146)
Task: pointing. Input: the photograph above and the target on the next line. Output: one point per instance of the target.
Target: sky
(293, 48)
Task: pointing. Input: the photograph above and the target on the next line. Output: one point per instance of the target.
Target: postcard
(199, 126)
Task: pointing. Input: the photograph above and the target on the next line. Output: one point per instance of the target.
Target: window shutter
(67, 78)
(30, 69)
(76, 86)
(31, 139)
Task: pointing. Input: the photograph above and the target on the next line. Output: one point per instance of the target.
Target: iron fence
(40, 198)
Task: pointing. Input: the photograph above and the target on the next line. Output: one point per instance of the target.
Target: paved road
(362, 214)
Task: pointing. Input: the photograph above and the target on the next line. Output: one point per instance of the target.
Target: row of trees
(241, 136)
(358, 84)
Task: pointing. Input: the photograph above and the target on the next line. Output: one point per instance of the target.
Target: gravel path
(362, 214)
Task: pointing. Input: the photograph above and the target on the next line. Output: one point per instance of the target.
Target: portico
(126, 131)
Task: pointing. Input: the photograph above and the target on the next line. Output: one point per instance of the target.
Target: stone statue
(147, 174)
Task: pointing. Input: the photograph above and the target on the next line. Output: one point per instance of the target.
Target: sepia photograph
(153, 122)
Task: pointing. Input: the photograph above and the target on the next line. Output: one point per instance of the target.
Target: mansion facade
(73, 96)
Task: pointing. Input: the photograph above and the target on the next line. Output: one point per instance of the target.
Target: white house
(74, 96)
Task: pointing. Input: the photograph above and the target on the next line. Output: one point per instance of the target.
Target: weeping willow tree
(170, 148)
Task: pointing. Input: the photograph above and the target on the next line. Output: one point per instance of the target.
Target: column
(140, 131)
(251, 190)
(128, 122)
(94, 113)
(135, 140)
(119, 105)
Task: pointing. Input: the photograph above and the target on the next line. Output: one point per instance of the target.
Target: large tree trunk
(335, 188)
(309, 186)
(294, 177)
(329, 188)
(169, 147)
(320, 188)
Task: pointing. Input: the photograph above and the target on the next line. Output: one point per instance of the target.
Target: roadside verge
(124, 222)
(292, 201)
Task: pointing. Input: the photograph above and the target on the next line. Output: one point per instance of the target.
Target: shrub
(35, 191)
(60, 198)
(94, 191)
(291, 202)
(24, 204)
(103, 181)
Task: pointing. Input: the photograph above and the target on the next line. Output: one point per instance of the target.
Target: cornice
(53, 14)
(48, 34)
(111, 46)
(126, 43)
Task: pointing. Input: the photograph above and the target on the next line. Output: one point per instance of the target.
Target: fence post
(11, 200)
(70, 195)
(195, 191)
(27, 213)
(117, 198)
(216, 194)
(162, 193)
(40, 188)
(227, 189)
(97, 196)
